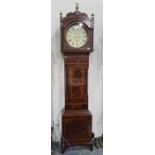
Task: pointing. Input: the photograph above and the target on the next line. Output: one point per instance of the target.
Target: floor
(78, 150)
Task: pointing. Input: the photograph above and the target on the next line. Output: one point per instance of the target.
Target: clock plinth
(76, 129)
(76, 45)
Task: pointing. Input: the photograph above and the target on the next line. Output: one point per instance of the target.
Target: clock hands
(76, 36)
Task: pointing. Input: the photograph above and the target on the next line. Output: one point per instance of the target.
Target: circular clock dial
(76, 35)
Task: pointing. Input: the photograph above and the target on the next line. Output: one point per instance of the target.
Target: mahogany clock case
(76, 118)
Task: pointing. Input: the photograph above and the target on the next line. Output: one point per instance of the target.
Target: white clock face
(76, 35)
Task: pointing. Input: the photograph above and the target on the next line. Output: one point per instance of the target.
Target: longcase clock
(76, 45)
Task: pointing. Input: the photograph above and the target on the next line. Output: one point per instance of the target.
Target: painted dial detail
(76, 35)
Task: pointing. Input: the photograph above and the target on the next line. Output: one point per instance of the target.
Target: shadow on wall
(57, 70)
(56, 55)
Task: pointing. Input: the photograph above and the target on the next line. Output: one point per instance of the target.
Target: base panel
(76, 129)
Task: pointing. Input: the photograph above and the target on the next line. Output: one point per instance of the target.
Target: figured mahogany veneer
(76, 128)
(76, 118)
(76, 68)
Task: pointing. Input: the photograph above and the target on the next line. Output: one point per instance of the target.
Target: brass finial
(77, 6)
(92, 20)
(60, 13)
(92, 14)
(61, 18)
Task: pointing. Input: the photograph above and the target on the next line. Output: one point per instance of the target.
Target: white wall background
(95, 67)
(129, 73)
